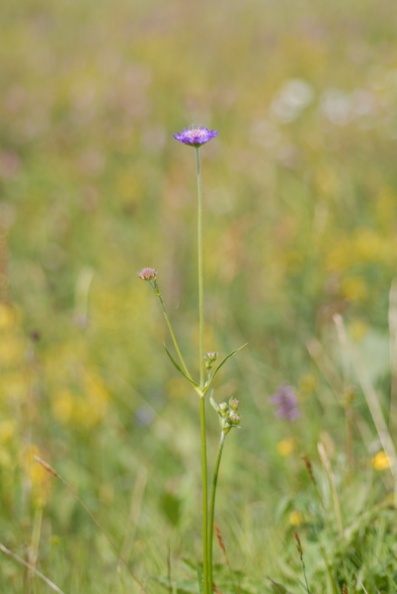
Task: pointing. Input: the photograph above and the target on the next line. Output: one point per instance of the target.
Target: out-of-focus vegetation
(301, 224)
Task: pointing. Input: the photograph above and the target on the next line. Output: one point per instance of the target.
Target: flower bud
(234, 419)
(147, 274)
(209, 359)
(234, 403)
(223, 409)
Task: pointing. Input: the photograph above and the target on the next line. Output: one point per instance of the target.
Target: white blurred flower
(291, 100)
(342, 108)
(363, 103)
(336, 105)
(268, 135)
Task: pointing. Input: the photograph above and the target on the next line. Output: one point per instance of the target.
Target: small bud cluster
(228, 415)
(210, 359)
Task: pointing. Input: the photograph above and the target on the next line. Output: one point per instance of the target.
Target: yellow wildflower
(39, 478)
(354, 288)
(7, 317)
(285, 447)
(295, 518)
(381, 461)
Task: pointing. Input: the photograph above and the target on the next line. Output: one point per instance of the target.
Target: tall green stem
(200, 267)
(212, 506)
(203, 430)
(204, 473)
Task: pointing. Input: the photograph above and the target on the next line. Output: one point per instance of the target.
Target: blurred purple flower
(195, 136)
(286, 403)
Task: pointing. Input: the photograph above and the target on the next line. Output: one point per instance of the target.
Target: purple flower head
(286, 403)
(195, 136)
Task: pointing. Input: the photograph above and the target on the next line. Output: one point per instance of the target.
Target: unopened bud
(223, 409)
(234, 403)
(147, 274)
(234, 419)
(209, 359)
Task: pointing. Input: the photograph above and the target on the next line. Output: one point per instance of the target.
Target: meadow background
(300, 191)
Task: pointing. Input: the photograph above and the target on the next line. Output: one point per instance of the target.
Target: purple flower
(286, 403)
(195, 136)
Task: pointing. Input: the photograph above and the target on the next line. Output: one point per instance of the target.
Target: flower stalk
(227, 411)
(207, 561)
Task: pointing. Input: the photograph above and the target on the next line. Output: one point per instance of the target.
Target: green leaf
(278, 588)
(179, 368)
(171, 507)
(226, 358)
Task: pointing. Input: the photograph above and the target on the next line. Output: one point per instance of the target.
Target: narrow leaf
(179, 368)
(200, 579)
(228, 357)
(278, 588)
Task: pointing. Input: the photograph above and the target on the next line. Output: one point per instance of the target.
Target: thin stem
(31, 568)
(203, 430)
(334, 493)
(171, 331)
(212, 507)
(204, 474)
(200, 266)
(34, 545)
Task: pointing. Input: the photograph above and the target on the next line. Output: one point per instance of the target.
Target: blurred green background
(300, 192)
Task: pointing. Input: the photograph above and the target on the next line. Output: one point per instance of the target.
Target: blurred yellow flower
(7, 317)
(96, 391)
(339, 255)
(285, 447)
(358, 329)
(307, 384)
(385, 204)
(5, 458)
(368, 246)
(12, 351)
(381, 461)
(85, 414)
(62, 405)
(354, 288)
(7, 430)
(295, 518)
(85, 406)
(39, 478)
(13, 385)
